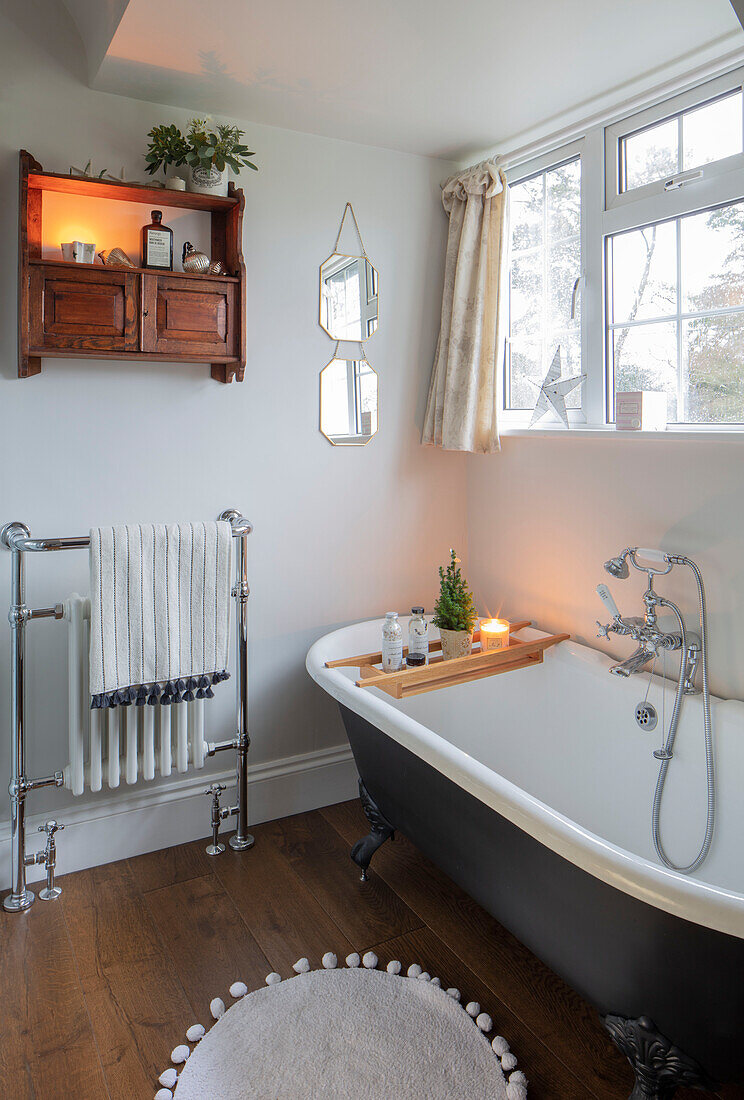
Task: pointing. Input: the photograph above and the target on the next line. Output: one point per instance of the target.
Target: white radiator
(133, 742)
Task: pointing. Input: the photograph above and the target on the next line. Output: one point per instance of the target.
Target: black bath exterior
(623, 956)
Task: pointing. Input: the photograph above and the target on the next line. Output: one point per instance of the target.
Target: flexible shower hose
(669, 744)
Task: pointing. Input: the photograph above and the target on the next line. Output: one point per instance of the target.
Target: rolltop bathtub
(533, 791)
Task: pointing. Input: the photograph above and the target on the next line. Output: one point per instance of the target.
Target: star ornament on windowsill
(553, 391)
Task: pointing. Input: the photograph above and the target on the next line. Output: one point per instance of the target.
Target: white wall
(546, 512)
(340, 533)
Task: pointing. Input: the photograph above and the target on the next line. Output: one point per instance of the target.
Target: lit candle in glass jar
(494, 634)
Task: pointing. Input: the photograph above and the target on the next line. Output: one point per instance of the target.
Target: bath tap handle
(608, 600)
(603, 629)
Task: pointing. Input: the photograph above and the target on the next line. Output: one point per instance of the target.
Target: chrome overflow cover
(646, 716)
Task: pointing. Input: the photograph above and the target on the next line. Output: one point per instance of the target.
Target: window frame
(603, 215)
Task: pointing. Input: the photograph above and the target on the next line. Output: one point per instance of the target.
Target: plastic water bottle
(392, 643)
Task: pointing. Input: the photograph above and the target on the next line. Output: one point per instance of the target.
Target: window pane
(643, 268)
(651, 154)
(714, 354)
(713, 259)
(564, 201)
(712, 132)
(564, 266)
(526, 214)
(526, 292)
(545, 263)
(526, 363)
(645, 358)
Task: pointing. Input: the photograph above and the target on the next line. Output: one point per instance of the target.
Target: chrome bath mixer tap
(652, 639)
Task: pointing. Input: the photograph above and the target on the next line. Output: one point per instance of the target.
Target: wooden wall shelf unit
(89, 311)
(439, 673)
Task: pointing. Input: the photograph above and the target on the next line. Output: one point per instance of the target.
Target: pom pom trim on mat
(516, 1085)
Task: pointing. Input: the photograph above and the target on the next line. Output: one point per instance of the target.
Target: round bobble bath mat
(352, 1031)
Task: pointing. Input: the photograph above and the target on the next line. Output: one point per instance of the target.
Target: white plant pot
(175, 178)
(456, 643)
(208, 181)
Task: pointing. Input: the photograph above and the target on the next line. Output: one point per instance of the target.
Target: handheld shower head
(618, 567)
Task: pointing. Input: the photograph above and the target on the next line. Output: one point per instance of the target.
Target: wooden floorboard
(281, 913)
(47, 1045)
(138, 1007)
(97, 988)
(211, 948)
(366, 912)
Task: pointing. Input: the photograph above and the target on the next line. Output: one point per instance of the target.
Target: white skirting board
(145, 820)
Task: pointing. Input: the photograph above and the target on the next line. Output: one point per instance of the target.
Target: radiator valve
(49, 858)
(218, 815)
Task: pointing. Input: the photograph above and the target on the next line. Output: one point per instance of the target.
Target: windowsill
(732, 434)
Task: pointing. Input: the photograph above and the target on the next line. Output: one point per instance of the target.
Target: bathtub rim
(682, 896)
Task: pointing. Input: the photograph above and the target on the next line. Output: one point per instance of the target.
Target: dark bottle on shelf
(157, 243)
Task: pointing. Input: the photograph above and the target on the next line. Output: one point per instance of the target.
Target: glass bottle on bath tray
(418, 638)
(157, 243)
(392, 643)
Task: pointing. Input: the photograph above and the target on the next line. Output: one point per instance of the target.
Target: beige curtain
(461, 410)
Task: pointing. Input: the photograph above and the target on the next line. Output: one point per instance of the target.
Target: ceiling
(424, 76)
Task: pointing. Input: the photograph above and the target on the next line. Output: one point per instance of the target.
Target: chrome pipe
(20, 897)
(241, 838)
(25, 544)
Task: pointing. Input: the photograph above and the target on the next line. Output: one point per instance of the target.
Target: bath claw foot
(660, 1068)
(380, 830)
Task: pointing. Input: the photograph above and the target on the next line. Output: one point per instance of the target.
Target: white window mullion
(592, 295)
(681, 358)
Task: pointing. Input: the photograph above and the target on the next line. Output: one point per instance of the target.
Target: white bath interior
(556, 749)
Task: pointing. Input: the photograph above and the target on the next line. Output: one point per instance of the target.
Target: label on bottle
(418, 639)
(158, 248)
(392, 654)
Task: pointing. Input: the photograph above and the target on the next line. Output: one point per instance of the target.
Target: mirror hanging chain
(348, 208)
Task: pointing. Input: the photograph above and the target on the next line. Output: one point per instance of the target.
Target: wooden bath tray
(439, 673)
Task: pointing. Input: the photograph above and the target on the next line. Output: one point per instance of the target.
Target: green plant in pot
(212, 149)
(454, 611)
(166, 149)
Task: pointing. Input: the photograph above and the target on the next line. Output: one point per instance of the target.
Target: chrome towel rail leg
(241, 838)
(20, 897)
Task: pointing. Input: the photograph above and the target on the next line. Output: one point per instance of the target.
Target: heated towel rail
(17, 538)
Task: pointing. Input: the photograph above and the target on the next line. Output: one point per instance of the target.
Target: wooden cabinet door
(84, 310)
(189, 317)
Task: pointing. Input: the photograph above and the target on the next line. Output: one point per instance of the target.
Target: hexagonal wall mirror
(348, 297)
(348, 402)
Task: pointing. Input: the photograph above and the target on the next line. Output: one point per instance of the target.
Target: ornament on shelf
(87, 172)
(194, 261)
(115, 257)
(553, 391)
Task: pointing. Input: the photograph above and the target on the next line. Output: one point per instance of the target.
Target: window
(699, 134)
(676, 314)
(627, 251)
(544, 311)
(682, 143)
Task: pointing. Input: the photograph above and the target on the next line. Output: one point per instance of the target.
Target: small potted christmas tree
(454, 612)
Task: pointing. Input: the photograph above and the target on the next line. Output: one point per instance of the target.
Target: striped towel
(160, 607)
